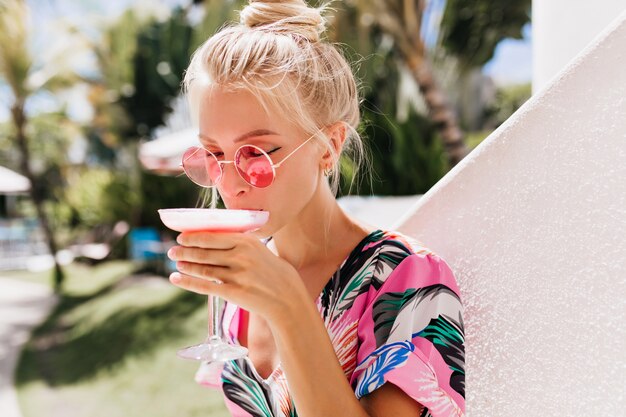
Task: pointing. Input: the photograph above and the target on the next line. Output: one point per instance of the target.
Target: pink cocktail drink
(214, 220)
(216, 347)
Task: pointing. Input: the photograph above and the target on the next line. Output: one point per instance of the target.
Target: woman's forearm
(316, 380)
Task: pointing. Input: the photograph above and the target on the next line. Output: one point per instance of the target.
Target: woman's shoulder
(392, 255)
(403, 261)
(380, 254)
(393, 240)
(390, 246)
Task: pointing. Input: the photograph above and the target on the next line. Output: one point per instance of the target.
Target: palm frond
(15, 61)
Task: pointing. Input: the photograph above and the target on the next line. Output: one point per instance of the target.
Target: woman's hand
(252, 276)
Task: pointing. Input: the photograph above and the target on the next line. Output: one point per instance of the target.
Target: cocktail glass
(216, 347)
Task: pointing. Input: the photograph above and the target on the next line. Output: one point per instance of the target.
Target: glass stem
(215, 313)
(215, 330)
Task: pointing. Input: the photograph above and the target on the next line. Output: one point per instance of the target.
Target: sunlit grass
(108, 349)
(80, 278)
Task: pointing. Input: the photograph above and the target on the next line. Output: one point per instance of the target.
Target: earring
(327, 172)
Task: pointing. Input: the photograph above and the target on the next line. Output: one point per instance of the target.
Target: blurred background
(92, 128)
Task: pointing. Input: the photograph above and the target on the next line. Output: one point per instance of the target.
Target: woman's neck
(320, 231)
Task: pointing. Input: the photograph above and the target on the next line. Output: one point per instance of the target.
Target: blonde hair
(276, 53)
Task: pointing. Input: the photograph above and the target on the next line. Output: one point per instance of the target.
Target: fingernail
(175, 277)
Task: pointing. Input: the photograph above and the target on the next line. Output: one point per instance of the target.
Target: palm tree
(17, 70)
(468, 34)
(402, 20)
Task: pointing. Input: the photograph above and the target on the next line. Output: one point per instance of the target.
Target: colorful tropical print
(393, 313)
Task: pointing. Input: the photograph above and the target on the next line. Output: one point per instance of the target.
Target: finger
(209, 240)
(200, 255)
(198, 285)
(204, 271)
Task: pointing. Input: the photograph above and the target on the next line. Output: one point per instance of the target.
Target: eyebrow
(257, 132)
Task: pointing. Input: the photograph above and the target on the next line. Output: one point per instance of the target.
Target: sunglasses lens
(254, 166)
(201, 167)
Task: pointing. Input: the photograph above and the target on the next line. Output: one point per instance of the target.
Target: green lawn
(473, 139)
(108, 349)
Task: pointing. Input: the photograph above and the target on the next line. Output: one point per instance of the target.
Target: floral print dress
(393, 313)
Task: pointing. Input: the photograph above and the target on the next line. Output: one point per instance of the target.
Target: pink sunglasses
(252, 163)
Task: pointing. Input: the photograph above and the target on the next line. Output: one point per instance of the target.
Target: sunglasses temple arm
(277, 165)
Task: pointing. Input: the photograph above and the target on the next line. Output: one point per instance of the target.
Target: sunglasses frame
(220, 163)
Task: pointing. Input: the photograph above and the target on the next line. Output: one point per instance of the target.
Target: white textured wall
(533, 222)
(563, 28)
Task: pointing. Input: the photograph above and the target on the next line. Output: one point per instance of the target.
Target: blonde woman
(340, 318)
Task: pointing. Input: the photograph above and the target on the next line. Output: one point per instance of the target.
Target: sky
(511, 63)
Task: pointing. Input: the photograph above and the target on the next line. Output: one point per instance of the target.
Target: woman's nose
(231, 183)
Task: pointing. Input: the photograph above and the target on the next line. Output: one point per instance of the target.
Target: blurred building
(12, 185)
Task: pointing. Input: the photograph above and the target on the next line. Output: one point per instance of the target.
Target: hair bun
(292, 17)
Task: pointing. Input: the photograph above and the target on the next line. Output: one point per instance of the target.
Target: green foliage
(141, 62)
(406, 157)
(8, 150)
(15, 61)
(165, 192)
(116, 50)
(508, 100)
(100, 196)
(471, 29)
(473, 139)
(50, 138)
(163, 50)
(218, 12)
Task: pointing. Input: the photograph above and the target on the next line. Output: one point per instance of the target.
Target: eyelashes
(220, 154)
